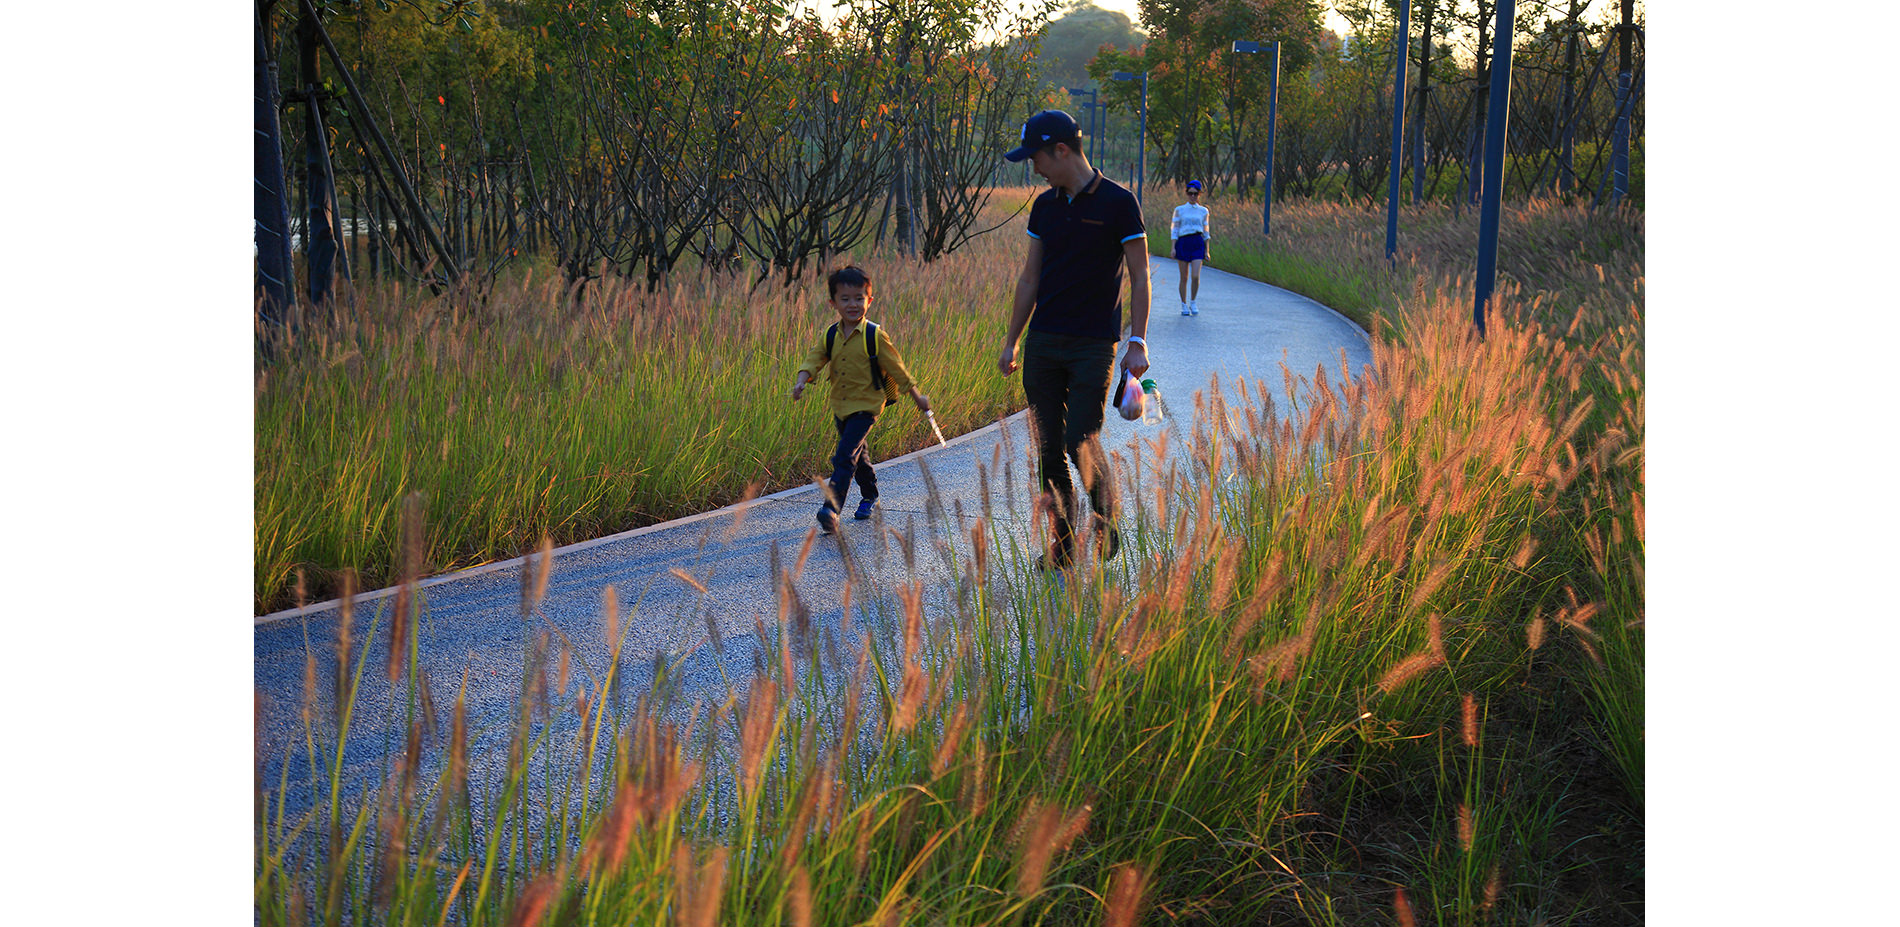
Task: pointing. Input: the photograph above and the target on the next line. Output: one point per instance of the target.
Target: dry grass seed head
(756, 729)
(861, 844)
(1402, 909)
(1525, 548)
(309, 707)
(346, 617)
(744, 506)
(543, 567)
(798, 898)
(1047, 831)
(533, 902)
(952, 741)
(1434, 578)
(390, 851)
(1406, 670)
(804, 553)
(713, 633)
(1126, 887)
(689, 579)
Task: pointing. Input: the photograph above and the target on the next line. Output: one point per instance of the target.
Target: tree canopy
(1073, 39)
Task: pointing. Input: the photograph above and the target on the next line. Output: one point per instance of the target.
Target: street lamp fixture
(1091, 105)
(1141, 138)
(1273, 113)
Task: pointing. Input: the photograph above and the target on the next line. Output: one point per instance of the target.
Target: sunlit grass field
(527, 412)
(1381, 663)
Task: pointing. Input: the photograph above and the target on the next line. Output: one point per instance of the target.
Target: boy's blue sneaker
(864, 509)
(827, 518)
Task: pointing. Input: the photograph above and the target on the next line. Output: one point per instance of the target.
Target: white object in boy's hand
(932, 416)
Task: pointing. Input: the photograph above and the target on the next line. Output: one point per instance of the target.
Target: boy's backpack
(878, 379)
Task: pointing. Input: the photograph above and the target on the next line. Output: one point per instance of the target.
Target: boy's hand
(798, 391)
(923, 401)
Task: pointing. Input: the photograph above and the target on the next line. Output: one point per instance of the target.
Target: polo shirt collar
(1089, 187)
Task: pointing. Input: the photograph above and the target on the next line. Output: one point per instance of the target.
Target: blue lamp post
(1273, 119)
(1495, 134)
(1141, 138)
(1398, 133)
(1089, 146)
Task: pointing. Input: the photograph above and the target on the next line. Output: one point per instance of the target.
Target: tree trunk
(1423, 93)
(319, 221)
(1481, 97)
(906, 222)
(271, 205)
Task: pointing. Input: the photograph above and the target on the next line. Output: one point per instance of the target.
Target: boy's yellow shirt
(850, 377)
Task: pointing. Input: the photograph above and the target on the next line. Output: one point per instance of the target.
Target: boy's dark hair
(849, 275)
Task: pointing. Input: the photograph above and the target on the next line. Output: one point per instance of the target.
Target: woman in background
(1189, 233)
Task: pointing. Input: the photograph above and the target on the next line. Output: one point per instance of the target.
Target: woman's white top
(1188, 219)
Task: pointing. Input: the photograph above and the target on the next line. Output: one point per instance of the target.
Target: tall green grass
(1353, 667)
(530, 410)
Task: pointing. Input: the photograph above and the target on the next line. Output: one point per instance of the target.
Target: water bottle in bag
(1150, 403)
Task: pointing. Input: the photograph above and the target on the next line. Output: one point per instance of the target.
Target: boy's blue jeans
(853, 458)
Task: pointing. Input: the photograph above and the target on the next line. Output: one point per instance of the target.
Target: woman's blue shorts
(1191, 247)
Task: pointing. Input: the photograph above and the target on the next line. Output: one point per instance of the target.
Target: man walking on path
(1082, 231)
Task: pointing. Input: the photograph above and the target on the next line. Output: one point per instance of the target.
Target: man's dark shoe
(827, 518)
(1108, 540)
(1060, 556)
(864, 509)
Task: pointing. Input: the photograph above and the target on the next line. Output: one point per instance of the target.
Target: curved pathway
(471, 627)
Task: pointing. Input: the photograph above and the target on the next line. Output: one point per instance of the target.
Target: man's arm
(1135, 255)
(1023, 305)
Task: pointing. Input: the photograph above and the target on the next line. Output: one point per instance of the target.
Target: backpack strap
(831, 337)
(878, 380)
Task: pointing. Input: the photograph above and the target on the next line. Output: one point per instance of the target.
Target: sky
(1128, 7)
(1333, 20)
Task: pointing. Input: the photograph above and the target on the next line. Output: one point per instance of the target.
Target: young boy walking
(866, 375)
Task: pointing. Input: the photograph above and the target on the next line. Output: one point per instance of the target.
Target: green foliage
(1200, 94)
(1072, 39)
(625, 137)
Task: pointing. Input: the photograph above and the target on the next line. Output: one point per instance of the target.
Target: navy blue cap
(1044, 129)
(1194, 185)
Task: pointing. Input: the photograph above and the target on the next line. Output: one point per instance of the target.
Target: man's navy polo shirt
(1079, 291)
